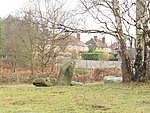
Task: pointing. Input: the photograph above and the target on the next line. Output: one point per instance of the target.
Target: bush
(92, 56)
(89, 56)
(112, 57)
(98, 56)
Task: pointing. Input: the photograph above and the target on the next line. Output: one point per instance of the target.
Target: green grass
(100, 98)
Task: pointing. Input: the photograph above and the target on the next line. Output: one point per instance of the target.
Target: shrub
(92, 56)
(98, 56)
(112, 57)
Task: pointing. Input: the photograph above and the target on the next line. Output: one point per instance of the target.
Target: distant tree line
(30, 40)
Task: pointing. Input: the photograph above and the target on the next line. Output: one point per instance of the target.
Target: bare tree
(17, 42)
(46, 15)
(11, 46)
(121, 19)
(141, 35)
(117, 19)
(27, 34)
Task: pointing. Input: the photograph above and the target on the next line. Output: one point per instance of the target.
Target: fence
(88, 64)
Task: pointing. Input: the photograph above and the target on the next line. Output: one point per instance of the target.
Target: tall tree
(47, 15)
(11, 43)
(18, 42)
(27, 34)
(114, 18)
(141, 34)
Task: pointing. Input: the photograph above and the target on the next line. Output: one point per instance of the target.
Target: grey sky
(11, 6)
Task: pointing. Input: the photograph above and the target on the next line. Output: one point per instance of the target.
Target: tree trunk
(53, 62)
(141, 49)
(14, 64)
(42, 61)
(148, 67)
(126, 69)
(148, 54)
(138, 62)
(32, 69)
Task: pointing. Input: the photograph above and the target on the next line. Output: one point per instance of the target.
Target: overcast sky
(11, 6)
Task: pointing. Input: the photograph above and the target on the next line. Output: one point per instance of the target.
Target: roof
(98, 43)
(114, 46)
(72, 40)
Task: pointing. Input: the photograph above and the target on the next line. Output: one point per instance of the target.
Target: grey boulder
(112, 79)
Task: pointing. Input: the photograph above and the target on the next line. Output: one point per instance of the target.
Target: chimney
(78, 36)
(103, 39)
(95, 38)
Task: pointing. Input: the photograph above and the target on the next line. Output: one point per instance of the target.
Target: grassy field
(99, 98)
